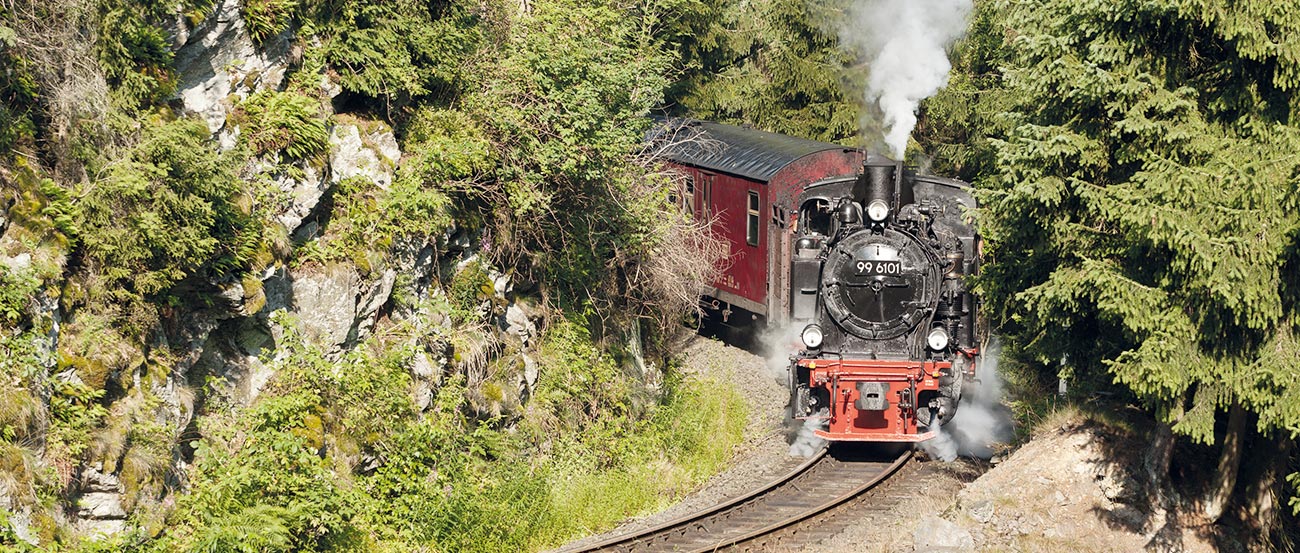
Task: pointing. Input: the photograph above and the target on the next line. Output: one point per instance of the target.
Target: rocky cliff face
(223, 350)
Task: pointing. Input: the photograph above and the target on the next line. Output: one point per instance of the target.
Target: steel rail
(628, 539)
(813, 512)
(660, 536)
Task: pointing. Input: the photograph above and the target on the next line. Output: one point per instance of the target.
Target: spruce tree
(1142, 207)
(773, 64)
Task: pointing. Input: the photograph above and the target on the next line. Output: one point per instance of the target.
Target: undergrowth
(335, 454)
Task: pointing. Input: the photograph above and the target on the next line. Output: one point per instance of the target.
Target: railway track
(771, 518)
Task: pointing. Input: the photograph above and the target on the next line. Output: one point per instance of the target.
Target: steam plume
(903, 42)
(981, 421)
(778, 345)
(806, 443)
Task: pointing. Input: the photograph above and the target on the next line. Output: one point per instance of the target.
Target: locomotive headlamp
(938, 338)
(877, 210)
(812, 336)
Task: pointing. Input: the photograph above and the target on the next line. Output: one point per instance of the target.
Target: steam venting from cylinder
(903, 43)
(982, 422)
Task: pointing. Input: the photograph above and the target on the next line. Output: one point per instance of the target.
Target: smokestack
(875, 182)
(881, 184)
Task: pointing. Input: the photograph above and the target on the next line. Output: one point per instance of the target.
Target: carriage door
(778, 264)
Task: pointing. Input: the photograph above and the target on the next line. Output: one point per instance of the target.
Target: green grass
(690, 437)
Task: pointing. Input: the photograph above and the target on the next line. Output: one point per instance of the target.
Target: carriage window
(688, 198)
(751, 228)
(708, 192)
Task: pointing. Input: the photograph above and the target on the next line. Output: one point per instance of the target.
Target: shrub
(396, 50)
(444, 146)
(267, 18)
(16, 292)
(367, 221)
(467, 290)
(285, 122)
(168, 211)
(18, 90)
(136, 57)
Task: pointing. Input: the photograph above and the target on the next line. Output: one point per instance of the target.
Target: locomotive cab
(878, 280)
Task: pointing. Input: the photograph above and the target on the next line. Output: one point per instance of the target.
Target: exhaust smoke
(981, 422)
(806, 443)
(778, 345)
(903, 43)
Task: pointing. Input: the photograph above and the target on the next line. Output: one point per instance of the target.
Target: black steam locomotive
(894, 336)
(868, 258)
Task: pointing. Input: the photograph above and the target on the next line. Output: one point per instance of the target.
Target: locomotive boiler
(867, 259)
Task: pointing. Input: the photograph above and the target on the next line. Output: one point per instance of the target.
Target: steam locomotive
(863, 256)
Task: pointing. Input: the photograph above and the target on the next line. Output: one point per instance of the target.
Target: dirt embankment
(1077, 487)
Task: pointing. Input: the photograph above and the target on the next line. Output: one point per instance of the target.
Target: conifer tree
(1142, 209)
(773, 64)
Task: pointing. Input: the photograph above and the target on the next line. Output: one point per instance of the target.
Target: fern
(267, 18)
(284, 122)
(252, 529)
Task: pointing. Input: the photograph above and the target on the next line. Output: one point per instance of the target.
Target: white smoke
(904, 43)
(981, 422)
(942, 446)
(806, 443)
(779, 344)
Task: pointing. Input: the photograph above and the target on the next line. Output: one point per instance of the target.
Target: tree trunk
(1155, 464)
(1225, 480)
(1264, 496)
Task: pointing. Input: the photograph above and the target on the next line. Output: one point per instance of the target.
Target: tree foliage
(774, 64)
(565, 104)
(397, 50)
(1140, 203)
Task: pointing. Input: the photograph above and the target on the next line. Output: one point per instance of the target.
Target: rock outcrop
(228, 345)
(218, 63)
(370, 154)
(335, 304)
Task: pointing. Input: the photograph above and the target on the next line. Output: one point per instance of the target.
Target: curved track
(769, 517)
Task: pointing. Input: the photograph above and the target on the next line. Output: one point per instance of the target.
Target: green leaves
(397, 50)
(283, 122)
(267, 18)
(254, 529)
(1140, 189)
(770, 63)
(136, 56)
(166, 212)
